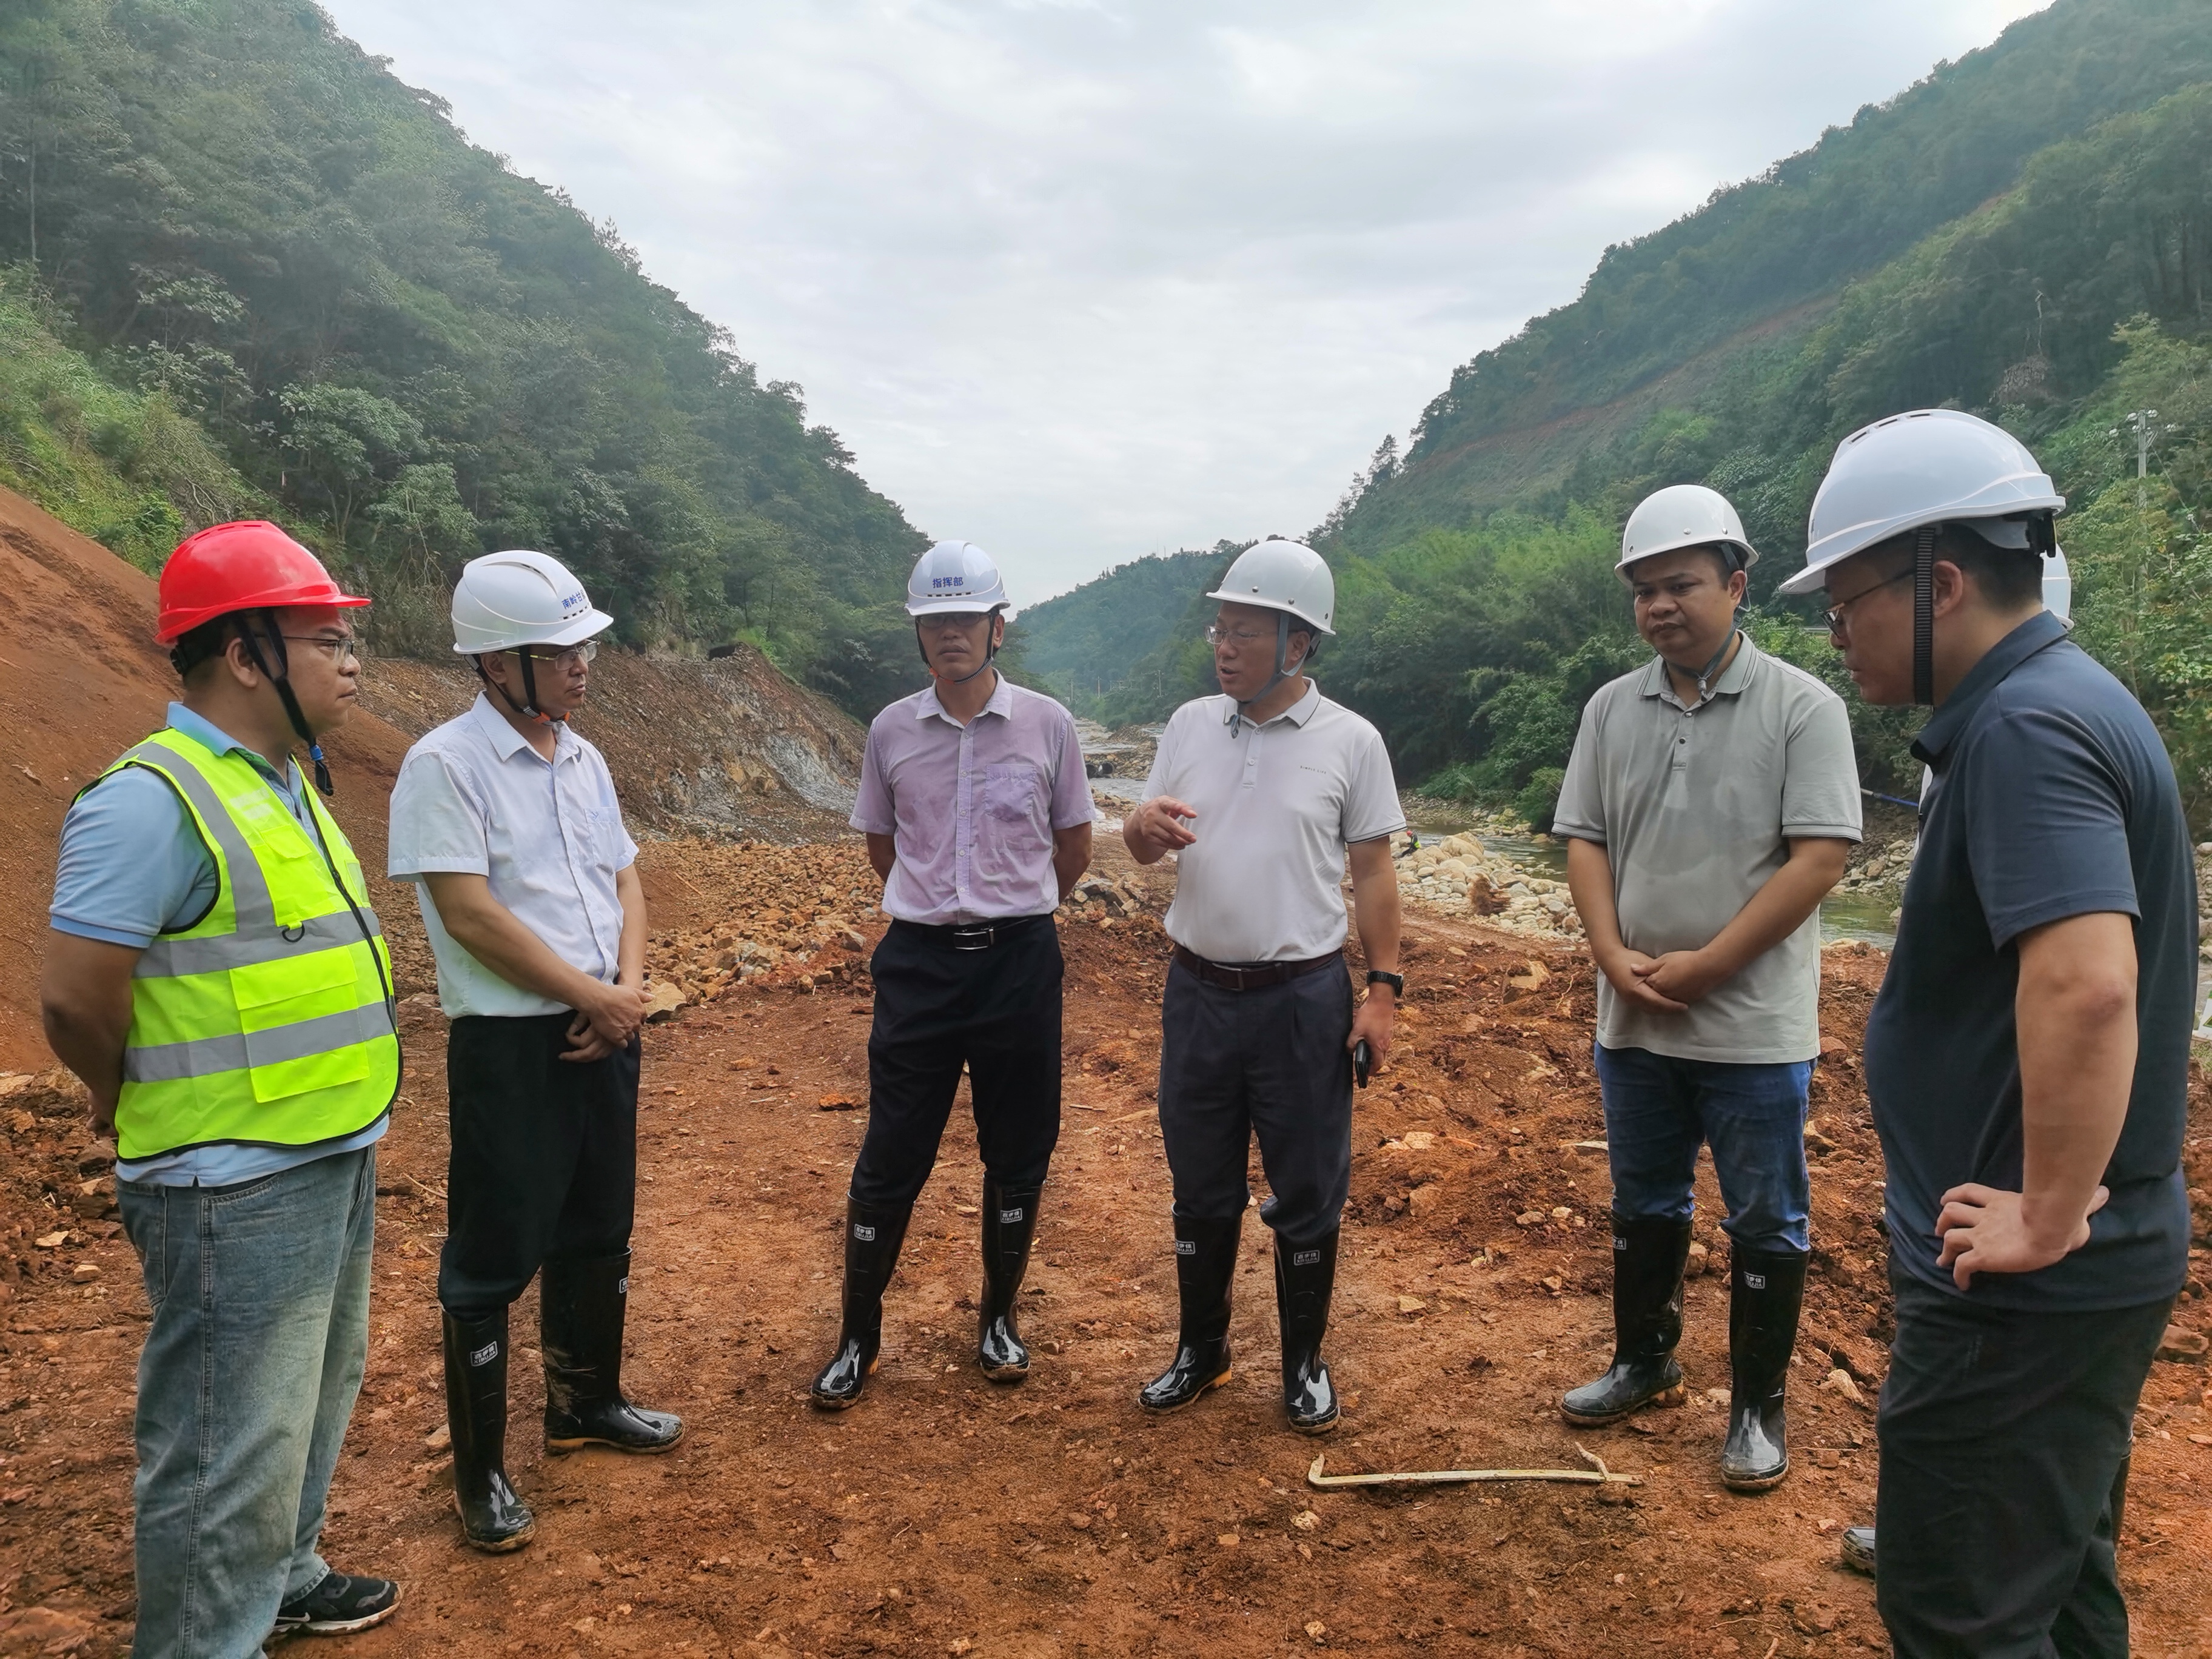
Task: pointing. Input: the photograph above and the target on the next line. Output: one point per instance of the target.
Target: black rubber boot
(493, 1519)
(1858, 1549)
(1766, 1290)
(581, 1306)
(1647, 1258)
(1205, 1268)
(872, 1238)
(1009, 1225)
(1306, 1278)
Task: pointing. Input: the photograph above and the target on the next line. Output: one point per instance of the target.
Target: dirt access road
(945, 1516)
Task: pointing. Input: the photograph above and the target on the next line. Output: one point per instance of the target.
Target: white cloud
(1082, 281)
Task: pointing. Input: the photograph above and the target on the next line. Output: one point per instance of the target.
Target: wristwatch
(1395, 981)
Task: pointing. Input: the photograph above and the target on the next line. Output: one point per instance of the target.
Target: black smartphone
(1362, 1059)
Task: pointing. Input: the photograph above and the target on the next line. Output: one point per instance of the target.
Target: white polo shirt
(1277, 806)
(473, 797)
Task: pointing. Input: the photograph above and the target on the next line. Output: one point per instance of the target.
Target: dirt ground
(945, 1515)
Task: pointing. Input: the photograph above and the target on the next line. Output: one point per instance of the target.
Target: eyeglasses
(950, 622)
(334, 649)
(573, 656)
(1217, 635)
(1836, 613)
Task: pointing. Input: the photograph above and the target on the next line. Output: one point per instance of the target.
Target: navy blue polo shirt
(2052, 798)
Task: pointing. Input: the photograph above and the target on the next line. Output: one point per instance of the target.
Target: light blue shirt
(132, 867)
(473, 798)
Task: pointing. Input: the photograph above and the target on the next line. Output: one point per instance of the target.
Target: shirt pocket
(1014, 808)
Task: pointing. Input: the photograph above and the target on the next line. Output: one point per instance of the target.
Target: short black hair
(202, 644)
(2009, 578)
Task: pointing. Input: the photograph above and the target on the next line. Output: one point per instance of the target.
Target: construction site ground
(947, 1515)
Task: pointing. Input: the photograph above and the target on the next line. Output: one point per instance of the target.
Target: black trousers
(997, 1011)
(1270, 1062)
(545, 1157)
(2004, 1452)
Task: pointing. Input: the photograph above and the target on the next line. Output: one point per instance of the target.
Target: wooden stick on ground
(1598, 1475)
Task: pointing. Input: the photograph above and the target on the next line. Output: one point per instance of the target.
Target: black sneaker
(338, 1607)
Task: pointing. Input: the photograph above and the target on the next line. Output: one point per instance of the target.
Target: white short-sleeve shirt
(474, 797)
(1277, 806)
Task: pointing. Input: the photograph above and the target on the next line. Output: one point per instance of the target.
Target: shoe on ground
(339, 1605)
(1858, 1549)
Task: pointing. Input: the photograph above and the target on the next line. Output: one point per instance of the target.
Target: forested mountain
(2026, 234)
(243, 269)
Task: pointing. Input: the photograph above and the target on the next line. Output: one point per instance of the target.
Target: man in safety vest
(507, 820)
(217, 977)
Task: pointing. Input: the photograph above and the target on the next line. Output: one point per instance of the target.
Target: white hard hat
(952, 577)
(1280, 575)
(1683, 516)
(1930, 467)
(521, 598)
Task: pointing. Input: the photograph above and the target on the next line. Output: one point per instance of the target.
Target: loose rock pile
(1460, 877)
(1879, 865)
(795, 914)
(806, 915)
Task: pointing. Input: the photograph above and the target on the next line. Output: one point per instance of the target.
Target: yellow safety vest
(269, 1021)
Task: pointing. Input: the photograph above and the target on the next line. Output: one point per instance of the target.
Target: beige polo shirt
(1696, 807)
(1277, 806)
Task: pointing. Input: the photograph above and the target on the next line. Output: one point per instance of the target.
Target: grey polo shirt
(1696, 807)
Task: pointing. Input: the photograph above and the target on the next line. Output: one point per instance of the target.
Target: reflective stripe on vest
(269, 1020)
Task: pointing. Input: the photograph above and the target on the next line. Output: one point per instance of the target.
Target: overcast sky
(1080, 280)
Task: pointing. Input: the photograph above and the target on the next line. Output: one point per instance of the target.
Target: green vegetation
(2027, 235)
(248, 269)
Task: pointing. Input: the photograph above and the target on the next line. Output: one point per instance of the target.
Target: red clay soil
(82, 680)
(945, 1516)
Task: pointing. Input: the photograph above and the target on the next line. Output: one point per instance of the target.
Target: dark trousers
(545, 1157)
(2004, 1450)
(996, 1011)
(1270, 1062)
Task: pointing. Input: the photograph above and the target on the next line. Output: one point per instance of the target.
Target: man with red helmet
(217, 977)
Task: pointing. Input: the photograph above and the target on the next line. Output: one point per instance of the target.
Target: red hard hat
(251, 565)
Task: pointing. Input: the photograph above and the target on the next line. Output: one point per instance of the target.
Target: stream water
(1849, 917)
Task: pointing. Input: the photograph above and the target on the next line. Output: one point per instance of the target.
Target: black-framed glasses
(336, 650)
(569, 656)
(1836, 613)
(952, 622)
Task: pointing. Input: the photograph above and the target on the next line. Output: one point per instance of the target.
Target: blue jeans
(260, 1328)
(1657, 1111)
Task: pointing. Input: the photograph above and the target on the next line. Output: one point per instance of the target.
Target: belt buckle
(1235, 976)
(979, 937)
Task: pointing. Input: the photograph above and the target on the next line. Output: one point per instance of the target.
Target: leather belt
(972, 936)
(1253, 977)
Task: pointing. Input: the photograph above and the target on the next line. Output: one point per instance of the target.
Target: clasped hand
(1665, 984)
(607, 1025)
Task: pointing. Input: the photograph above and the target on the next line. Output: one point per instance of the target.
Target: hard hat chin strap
(1237, 717)
(1924, 615)
(990, 649)
(280, 677)
(527, 708)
